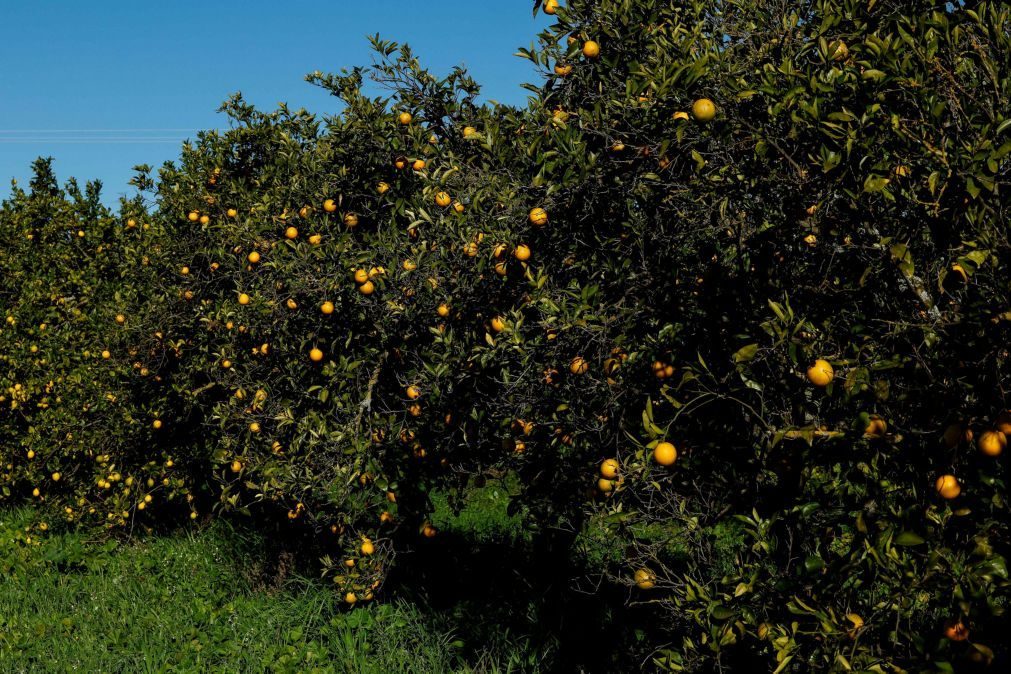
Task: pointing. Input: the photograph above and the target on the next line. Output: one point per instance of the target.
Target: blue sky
(83, 81)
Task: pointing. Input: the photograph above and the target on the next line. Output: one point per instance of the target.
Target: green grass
(202, 600)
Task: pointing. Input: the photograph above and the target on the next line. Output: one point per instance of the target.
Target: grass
(202, 600)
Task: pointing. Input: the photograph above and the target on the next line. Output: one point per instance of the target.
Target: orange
(382, 188)
(350, 598)
(955, 435)
(316, 239)
(665, 454)
(443, 310)
(820, 373)
(522, 252)
(591, 49)
(232, 213)
(253, 257)
(498, 324)
(184, 271)
(327, 307)
(704, 110)
(204, 219)
(876, 427)
(367, 547)
(193, 216)
(992, 443)
(408, 265)
(405, 118)
(429, 531)
(1003, 422)
(419, 165)
(243, 299)
(236, 466)
(367, 288)
(351, 220)
(681, 114)
(539, 217)
(609, 468)
(291, 304)
(315, 355)
(644, 579)
(469, 131)
(605, 486)
(442, 199)
(956, 630)
(563, 69)
(838, 51)
(413, 392)
(361, 276)
(156, 424)
(291, 233)
(948, 487)
(550, 6)
(254, 427)
(329, 205)
(459, 207)
(121, 319)
(578, 365)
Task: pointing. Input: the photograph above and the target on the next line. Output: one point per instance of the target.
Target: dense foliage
(727, 300)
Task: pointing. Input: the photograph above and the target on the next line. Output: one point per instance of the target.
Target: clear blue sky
(82, 81)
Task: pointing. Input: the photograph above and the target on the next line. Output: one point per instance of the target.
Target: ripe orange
(429, 531)
(681, 115)
(193, 216)
(236, 466)
(382, 188)
(316, 239)
(539, 217)
(704, 110)
(367, 547)
(956, 630)
(578, 365)
(876, 427)
(992, 443)
(443, 310)
(605, 486)
(948, 487)
(243, 299)
(253, 257)
(644, 579)
(329, 205)
(291, 233)
(820, 373)
(232, 213)
(367, 288)
(591, 49)
(563, 69)
(254, 427)
(550, 6)
(361, 276)
(443, 200)
(327, 307)
(405, 118)
(419, 165)
(315, 355)
(459, 207)
(413, 392)
(665, 454)
(469, 131)
(1003, 422)
(408, 265)
(498, 324)
(351, 220)
(522, 252)
(350, 598)
(185, 271)
(609, 468)
(156, 424)
(121, 319)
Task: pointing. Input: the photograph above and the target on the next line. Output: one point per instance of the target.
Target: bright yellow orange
(351, 220)
(367, 288)
(591, 49)
(704, 110)
(253, 257)
(644, 579)
(443, 200)
(243, 299)
(665, 454)
(232, 213)
(539, 217)
(413, 392)
(291, 233)
(948, 487)
(609, 468)
(405, 118)
(522, 252)
(382, 188)
(361, 276)
(327, 308)
(443, 310)
(550, 6)
(329, 205)
(820, 373)
(315, 355)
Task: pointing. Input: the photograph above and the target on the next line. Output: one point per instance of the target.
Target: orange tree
(83, 401)
(773, 319)
(728, 299)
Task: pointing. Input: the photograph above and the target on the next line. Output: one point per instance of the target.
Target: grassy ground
(201, 600)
